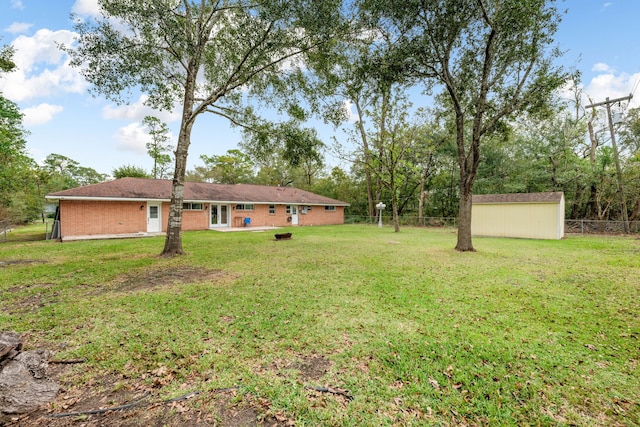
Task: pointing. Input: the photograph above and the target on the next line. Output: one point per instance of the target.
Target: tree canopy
(205, 56)
(491, 60)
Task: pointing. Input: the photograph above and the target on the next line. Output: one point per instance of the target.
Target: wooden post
(623, 201)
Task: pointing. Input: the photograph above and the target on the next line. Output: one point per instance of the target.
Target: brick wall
(317, 215)
(85, 218)
(191, 220)
(260, 216)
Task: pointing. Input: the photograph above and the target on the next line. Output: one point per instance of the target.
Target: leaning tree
(492, 59)
(200, 55)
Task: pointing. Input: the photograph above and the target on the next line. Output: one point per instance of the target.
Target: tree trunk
(394, 205)
(464, 225)
(468, 163)
(576, 203)
(592, 211)
(367, 161)
(636, 211)
(24, 385)
(422, 198)
(396, 218)
(616, 159)
(592, 208)
(173, 241)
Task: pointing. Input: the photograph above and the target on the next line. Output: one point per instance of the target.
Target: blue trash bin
(247, 222)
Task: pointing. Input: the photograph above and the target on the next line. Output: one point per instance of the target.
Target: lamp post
(380, 206)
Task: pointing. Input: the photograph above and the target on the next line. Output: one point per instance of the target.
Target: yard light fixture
(380, 206)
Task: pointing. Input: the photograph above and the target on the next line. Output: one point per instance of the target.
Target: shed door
(154, 217)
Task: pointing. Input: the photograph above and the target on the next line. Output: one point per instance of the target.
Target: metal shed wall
(533, 220)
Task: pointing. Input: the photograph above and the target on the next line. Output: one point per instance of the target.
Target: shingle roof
(553, 197)
(160, 189)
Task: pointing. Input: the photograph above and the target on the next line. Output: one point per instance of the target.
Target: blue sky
(601, 39)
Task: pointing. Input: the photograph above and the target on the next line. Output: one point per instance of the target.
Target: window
(272, 209)
(192, 206)
(288, 209)
(244, 207)
(330, 208)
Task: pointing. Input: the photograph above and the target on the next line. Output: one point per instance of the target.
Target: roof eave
(104, 199)
(144, 199)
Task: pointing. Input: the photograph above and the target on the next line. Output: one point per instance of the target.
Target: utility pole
(607, 103)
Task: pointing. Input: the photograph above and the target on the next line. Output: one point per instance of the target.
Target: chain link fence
(577, 226)
(588, 226)
(404, 220)
(50, 230)
(4, 230)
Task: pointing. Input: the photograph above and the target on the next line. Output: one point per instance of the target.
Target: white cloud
(40, 114)
(132, 137)
(86, 7)
(17, 4)
(137, 111)
(601, 67)
(352, 115)
(42, 68)
(18, 27)
(611, 85)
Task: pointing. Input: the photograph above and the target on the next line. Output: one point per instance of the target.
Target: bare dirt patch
(309, 367)
(39, 296)
(141, 405)
(153, 277)
(312, 367)
(6, 263)
(246, 414)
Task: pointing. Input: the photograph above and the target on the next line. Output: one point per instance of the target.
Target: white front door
(219, 215)
(294, 215)
(154, 217)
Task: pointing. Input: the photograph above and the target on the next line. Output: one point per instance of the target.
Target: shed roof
(160, 189)
(551, 197)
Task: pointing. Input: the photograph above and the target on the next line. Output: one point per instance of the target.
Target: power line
(607, 103)
(635, 86)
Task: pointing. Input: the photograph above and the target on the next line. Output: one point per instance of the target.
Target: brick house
(140, 205)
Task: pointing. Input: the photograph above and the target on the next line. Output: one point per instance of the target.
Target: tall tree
(392, 138)
(345, 74)
(207, 55)
(234, 167)
(16, 168)
(492, 58)
(64, 172)
(284, 151)
(630, 142)
(159, 147)
(131, 171)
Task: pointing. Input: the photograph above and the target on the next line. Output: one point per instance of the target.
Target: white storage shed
(524, 215)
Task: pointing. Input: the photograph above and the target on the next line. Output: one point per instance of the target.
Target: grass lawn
(342, 325)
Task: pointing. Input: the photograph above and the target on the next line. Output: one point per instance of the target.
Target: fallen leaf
(434, 383)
